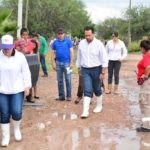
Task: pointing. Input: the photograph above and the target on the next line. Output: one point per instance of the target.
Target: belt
(91, 67)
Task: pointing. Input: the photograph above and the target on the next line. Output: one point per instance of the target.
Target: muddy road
(55, 125)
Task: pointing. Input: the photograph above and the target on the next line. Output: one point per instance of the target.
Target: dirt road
(55, 125)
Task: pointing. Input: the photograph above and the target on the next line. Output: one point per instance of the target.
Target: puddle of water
(124, 139)
(65, 116)
(75, 139)
(129, 91)
(115, 139)
(98, 138)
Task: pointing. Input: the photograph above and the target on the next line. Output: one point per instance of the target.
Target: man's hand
(26, 91)
(71, 65)
(102, 76)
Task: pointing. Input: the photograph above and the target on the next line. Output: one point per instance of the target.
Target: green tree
(140, 21)
(6, 25)
(105, 29)
(45, 16)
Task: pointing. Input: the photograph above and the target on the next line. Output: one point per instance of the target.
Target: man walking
(42, 51)
(62, 61)
(93, 61)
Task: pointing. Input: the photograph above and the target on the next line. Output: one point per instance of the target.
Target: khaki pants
(144, 100)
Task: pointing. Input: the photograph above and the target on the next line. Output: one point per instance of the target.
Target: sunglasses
(60, 33)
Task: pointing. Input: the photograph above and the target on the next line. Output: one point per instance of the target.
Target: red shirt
(143, 64)
(24, 46)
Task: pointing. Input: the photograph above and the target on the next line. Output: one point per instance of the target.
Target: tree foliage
(140, 24)
(140, 21)
(45, 16)
(6, 25)
(105, 29)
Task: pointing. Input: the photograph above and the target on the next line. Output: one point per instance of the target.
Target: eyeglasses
(60, 33)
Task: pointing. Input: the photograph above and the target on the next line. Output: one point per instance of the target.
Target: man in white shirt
(93, 61)
(116, 53)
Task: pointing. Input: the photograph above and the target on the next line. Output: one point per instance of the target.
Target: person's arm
(147, 72)
(26, 76)
(71, 57)
(124, 51)
(104, 58)
(53, 59)
(78, 60)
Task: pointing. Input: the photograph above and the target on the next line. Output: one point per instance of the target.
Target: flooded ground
(55, 125)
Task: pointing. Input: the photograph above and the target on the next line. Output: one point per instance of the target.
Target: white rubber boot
(5, 134)
(98, 107)
(17, 133)
(86, 104)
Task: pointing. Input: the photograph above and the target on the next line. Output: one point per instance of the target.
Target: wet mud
(56, 125)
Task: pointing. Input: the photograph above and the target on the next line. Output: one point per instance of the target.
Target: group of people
(93, 60)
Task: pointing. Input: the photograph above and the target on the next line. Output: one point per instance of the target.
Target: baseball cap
(7, 42)
(60, 30)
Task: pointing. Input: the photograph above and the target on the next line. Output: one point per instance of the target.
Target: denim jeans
(11, 105)
(91, 81)
(63, 72)
(43, 64)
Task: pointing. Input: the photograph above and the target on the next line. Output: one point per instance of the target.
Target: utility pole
(129, 24)
(19, 22)
(26, 13)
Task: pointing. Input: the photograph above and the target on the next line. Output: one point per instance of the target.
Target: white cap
(7, 42)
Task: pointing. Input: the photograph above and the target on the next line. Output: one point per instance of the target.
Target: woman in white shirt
(15, 82)
(116, 53)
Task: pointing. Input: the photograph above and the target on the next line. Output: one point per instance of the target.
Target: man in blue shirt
(62, 62)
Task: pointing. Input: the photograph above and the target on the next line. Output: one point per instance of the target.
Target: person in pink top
(24, 44)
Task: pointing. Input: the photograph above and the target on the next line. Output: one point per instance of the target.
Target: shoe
(30, 101)
(36, 97)
(77, 100)
(45, 75)
(68, 99)
(141, 129)
(59, 99)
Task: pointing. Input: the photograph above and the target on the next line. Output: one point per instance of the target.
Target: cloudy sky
(102, 9)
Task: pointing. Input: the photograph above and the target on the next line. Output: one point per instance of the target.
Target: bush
(134, 47)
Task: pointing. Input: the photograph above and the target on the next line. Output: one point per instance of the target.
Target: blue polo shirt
(62, 49)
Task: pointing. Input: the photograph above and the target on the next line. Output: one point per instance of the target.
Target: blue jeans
(91, 81)
(43, 64)
(63, 72)
(11, 105)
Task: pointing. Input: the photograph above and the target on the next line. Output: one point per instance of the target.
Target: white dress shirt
(91, 54)
(116, 51)
(15, 75)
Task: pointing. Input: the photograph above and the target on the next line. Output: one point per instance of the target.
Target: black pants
(80, 87)
(113, 69)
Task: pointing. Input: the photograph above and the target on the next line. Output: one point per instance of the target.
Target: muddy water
(103, 137)
(57, 125)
